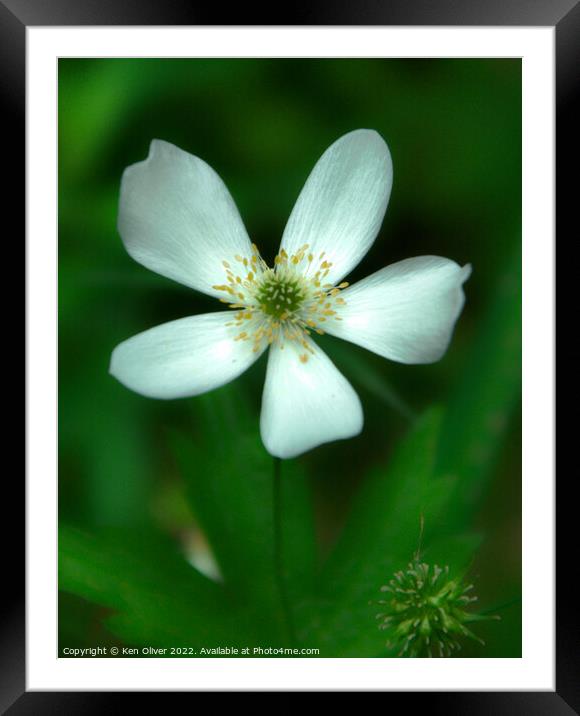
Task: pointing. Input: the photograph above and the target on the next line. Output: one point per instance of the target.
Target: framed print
(290, 354)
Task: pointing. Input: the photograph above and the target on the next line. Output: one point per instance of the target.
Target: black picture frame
(564, 15)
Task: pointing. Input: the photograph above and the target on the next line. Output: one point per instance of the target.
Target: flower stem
(278, 568)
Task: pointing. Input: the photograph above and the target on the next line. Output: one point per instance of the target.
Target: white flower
(177, 218)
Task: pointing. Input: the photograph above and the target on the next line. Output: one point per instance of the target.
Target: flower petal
(406, 311)
(184, 357)
(177, 218)
(306, 403)
(342, 205)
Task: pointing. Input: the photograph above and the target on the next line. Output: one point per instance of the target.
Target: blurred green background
(149, 491)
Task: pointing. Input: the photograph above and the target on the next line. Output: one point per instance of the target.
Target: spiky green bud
(425, 612)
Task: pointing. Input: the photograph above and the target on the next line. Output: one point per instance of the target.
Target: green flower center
(280, 296)
(284, 303)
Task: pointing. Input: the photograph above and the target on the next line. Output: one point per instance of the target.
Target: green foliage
(441, 444)
(382, 534)
(485, 396)
(155, 598)
(229, 478)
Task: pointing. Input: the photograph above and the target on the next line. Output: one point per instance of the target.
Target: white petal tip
(369, 138)
(158, 146)
(182, 358)
(341, 207)
(287, 453)
(305, 406)
(407, 311)
(177, 218)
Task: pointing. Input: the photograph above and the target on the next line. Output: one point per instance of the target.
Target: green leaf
(439, 472)
(484, 399)
(456, 551)
(229, 478)
(104, 427)
(156, 597)
(381, 535)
